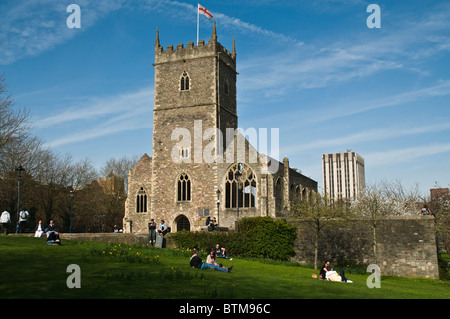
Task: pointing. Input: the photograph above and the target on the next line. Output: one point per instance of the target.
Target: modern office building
(343, 175)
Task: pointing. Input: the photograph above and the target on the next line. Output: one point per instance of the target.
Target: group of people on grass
(327, 273)
(211, 260)
(51, 231)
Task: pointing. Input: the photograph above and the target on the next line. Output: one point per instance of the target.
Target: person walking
(5, 218)
(23, 217)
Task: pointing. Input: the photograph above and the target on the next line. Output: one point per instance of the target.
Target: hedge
(262, 237)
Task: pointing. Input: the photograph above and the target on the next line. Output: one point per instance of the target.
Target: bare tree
(440, 207)
(120, 168)
(404, 199)
(11, 122)
(318, 213)
(382, 200)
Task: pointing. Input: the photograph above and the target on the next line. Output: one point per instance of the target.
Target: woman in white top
(332, 275)
(211, 259)
(39, 230)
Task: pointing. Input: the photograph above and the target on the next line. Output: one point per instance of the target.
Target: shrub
(261, 237)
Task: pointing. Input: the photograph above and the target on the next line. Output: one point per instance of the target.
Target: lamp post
(20, 169)
(71, 197)
(218, 205)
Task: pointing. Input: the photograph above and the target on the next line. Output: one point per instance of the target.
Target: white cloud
(98, 117)
(222, 20)
(404, 155)
(379, 134)
(95, 108)
(31, 27)
(352, 106)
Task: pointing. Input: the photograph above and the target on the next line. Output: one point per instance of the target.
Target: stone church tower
(194, 169)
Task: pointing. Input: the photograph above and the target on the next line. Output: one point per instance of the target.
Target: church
(201, 165)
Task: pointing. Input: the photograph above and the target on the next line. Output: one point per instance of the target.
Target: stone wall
(119, 238)
(138, 177)
(406, 246)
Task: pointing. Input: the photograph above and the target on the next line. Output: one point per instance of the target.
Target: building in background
(438, 192)
(343, 175)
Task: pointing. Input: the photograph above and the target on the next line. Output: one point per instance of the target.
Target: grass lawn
(31, 269)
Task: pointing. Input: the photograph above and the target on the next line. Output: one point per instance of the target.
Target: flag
(204, 11)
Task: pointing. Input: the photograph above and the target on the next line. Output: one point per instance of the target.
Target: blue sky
(313, 69)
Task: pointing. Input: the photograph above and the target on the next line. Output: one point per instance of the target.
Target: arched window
(141, 201)
(242, 188)
(182, 223)
(183, 188)
(184, 82)
(226, 88)
(278, 194)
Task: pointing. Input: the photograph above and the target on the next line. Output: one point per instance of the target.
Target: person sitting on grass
(197, 262)
(221, 252)
(211, 259)
(332, 275)
(53, 238)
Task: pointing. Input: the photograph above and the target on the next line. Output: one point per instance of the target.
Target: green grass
(31, 269)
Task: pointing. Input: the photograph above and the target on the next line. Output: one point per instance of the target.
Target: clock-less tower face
(195, 91)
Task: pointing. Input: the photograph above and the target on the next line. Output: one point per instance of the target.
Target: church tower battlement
(201, 77)
(213, 48)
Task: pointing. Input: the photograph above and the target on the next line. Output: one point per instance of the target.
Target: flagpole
(197, 21)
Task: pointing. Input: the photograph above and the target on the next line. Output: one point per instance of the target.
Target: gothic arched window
(184, 82)
(278, 194)
(183, 188)
(241, 188)
(182, 223)
(141, 201)
(226, 88)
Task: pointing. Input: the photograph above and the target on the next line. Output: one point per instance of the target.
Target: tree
(318, 212)
(379, 201)
(440, 208)
(119, 167)
(11, 122)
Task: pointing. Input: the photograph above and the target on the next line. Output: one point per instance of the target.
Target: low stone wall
(406, 246)
(120, 238)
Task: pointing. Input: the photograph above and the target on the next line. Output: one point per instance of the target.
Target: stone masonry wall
(406, 246)
(139, 176)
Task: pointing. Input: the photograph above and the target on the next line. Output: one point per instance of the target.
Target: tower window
(184, 82)
(184, 153)
(184, 188)
(226, 88)
(141, 201)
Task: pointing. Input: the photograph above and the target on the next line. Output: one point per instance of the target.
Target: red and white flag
(204, 11)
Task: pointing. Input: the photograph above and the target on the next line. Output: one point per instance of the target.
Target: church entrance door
(182, 223)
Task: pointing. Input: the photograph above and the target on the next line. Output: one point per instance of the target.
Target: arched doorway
(182, 223)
